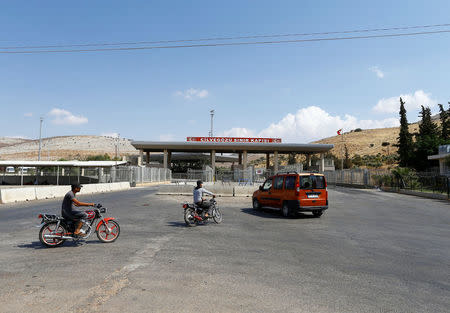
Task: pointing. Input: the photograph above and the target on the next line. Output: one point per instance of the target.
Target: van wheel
(256, 204)
(285, 211)
(317, 213)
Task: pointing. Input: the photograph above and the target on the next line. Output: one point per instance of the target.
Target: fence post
(448, 187)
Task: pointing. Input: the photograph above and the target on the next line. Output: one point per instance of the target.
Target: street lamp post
(40, 138)
(212, 117)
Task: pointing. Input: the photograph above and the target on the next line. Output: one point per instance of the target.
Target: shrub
(358, 130)
(385, 143)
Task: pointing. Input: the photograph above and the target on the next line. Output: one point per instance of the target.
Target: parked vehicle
(191, 218)
(293, 192)
(54, 229)
(10, 169)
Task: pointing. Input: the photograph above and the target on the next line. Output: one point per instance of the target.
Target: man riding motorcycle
(199, 201)
(69, 212)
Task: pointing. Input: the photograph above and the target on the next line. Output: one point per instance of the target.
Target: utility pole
(212, 117)
(40, 138)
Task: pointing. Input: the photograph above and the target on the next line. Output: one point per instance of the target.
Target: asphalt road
(370, 252)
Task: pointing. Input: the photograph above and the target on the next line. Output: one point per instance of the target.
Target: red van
(293, 192)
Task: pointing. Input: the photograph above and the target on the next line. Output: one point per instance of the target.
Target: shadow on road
(275, 214)
(177, 224)
(38, 245)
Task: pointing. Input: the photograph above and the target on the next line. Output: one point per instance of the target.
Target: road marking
(118, 280)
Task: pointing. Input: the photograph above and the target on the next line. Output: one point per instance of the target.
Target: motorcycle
(191, 218)
(55, 230)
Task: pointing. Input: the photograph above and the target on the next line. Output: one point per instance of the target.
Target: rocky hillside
(7, 141)
(67, 147)
(368, 141)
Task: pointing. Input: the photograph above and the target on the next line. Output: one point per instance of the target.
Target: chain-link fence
(358, 177)
(88, 175)
(428, 182)
(137, 174)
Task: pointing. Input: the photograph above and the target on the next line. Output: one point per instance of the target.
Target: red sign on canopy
(234, 139)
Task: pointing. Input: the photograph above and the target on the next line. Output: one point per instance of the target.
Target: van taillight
(297, 187)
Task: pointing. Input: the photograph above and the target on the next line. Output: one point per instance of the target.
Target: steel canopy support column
(308, 160)
(240, 158)
(267, 161)
(141, 156)
(275, 162)
(21, 176)
(244, 156)
(166, 156)
(147, 158)
(57, 175)
(322, 163)
(213, 164)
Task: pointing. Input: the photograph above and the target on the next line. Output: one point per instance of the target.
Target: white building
(444, 152)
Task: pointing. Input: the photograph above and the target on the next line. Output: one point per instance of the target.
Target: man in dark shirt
(68, 210)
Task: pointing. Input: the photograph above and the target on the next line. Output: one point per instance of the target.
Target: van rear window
(312, 182)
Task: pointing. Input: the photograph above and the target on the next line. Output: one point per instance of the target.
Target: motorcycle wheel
(189, 218)
(217, 215)
(102, 234)
(47, 229)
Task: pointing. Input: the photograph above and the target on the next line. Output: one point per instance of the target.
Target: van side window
(289, 182)
(267, 184)
(278, 182)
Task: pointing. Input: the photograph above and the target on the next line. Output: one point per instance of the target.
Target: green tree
(292, 158)
(405, 142)
(427, 140)
(445, 123)
(347, 160)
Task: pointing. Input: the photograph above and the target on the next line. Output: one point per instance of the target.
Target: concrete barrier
(10, 195)
(186, 190)
(51, 192)
(175, 189)
(221, 190)
(244, 191)
(17, 194)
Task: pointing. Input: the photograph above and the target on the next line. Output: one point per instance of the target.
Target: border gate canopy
(233, 147)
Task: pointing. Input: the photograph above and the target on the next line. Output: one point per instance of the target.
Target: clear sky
(297, 91)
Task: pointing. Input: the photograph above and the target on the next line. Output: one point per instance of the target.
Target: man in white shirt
(198, 197)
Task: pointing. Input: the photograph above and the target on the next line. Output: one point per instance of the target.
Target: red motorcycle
(54, 229)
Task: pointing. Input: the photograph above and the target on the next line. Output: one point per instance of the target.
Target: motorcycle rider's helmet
(199, 182)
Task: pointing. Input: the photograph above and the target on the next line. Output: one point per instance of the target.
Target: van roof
(301, 174)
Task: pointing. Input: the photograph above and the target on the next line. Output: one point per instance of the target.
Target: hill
(67, 147)
(369, 141)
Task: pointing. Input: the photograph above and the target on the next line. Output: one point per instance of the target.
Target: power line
(225, 44)
(226, 38)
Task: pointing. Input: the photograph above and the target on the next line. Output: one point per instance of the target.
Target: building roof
(227, 147)
(438, 156)
(61, 163)
(193, 157)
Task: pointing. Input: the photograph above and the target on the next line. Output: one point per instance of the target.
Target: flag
(339, 131)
